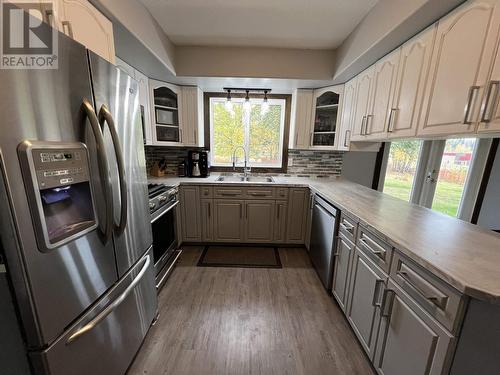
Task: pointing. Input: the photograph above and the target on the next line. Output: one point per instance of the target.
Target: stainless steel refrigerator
(74, 217)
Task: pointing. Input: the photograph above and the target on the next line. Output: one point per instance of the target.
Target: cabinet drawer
(434, 295)
(282, 193)
(375, 248)
(348, 226)
(229, 192)
(259, 193)
(206, 192)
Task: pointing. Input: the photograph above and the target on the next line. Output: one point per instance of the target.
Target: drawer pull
(421, 286)
(348, 227)
(260, 194)
(229, 194)
(376, 249)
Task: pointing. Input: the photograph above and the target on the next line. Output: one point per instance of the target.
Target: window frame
(286, 129)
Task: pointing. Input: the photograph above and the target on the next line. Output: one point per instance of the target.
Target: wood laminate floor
(249, 321)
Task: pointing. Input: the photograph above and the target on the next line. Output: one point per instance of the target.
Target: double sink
(257, 179)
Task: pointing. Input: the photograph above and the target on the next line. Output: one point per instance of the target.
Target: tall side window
(452, 177)
(253, 126)
(401, 168)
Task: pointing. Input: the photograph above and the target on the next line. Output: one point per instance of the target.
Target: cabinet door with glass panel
(327, 107)
(165, 109)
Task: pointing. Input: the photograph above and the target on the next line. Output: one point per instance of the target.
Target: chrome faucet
(246, 169)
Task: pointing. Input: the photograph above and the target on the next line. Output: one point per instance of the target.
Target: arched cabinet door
(82, 22)
(327, 104)
(410, 84)
(459, 68)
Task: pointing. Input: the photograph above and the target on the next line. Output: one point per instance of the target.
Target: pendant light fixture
(246, 105)
(229, 104)
(265, 104)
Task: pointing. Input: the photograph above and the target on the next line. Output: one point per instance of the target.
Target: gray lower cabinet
(280, 221)
(229, 223)
(207, 220)
(343, 258)
(410, 341)
(259, 221)
(365, 292)
(191, 219)
(298, 204)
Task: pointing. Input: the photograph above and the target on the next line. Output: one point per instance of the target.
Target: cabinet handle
(345, 138)
(70, 28)
(347, 226)
(366, 126)
(180, 135)
(486, 109)
(278, 214)
(311, 140)
(387, 302)
(390, 128)
(209, 210)
(428, 292)
(195, 134)
(241, 213)
(48, 14)
(468, 105)
(362, 132)
(376, 300)
(337, 251)
(380, 252)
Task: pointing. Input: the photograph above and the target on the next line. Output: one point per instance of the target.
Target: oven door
(164, 226)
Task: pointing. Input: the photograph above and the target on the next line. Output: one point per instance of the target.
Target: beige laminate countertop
(464, 255)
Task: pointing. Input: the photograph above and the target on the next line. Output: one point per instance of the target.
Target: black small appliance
(198, 164)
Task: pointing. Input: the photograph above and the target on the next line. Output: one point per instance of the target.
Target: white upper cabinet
(459, 68)
(489, 120)
(408, 95)
(327, 109)
(191, 119)
(82, 22)
(301, 118)
(364, 86)
(176, 114)
(384, 83)
(165, 113)
(347, 118)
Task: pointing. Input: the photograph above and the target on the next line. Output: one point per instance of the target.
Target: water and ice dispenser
(58, 184)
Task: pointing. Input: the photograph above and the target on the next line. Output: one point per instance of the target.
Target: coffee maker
(198, 164)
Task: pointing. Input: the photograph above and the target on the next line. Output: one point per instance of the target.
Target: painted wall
(388, 25)
(254, 62)
(359, 167)
(140, 23)
(489, 217)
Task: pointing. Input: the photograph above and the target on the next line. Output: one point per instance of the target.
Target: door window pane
(401, 168)
(455, 165)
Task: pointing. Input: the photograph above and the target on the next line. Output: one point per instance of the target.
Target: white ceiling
(304, 24)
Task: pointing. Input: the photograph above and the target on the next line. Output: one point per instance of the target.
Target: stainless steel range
(163, 201)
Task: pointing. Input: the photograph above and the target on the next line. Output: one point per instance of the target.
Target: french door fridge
(74, 220)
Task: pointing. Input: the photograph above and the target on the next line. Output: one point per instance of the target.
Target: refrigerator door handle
(102, 161)
(112, 306)
(105, 117)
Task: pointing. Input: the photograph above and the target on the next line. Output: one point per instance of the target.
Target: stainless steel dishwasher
(324, 229)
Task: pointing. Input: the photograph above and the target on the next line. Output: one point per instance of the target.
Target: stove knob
(162, 199)
(152, 205)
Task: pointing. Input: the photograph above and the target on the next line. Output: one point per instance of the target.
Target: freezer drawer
(108, 347)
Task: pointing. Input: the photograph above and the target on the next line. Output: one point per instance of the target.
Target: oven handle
(88, 111)
(105, 117)
(163, 211)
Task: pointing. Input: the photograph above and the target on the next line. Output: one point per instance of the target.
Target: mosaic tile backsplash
(300, 162)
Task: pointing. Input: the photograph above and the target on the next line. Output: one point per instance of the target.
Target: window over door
(259, 130)
(401, 168)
